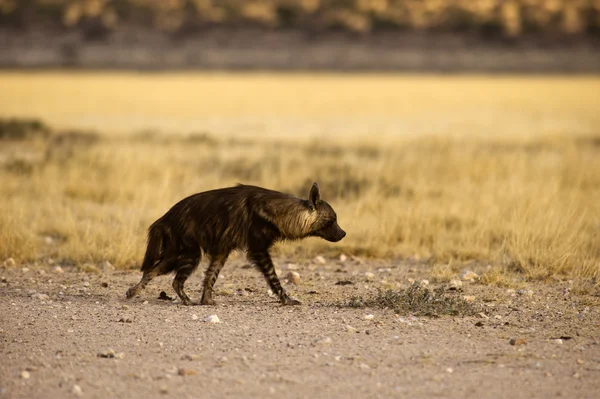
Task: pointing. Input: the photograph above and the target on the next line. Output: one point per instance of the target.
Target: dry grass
(525, 204)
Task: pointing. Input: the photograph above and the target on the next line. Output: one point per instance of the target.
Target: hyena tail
(156, 243)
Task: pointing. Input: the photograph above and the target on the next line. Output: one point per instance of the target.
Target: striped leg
(262, 260)
(216, 264)
(186, 268)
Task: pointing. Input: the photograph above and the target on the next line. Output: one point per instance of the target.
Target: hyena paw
(187, 302)
(130, 293)
(288, 301)
(207, 301)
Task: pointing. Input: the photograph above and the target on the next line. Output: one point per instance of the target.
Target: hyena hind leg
(146, 278)
(182, 275)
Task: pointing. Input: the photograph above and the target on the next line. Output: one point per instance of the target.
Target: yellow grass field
(497, 170)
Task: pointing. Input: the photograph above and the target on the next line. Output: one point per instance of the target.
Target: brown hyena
(217, 222)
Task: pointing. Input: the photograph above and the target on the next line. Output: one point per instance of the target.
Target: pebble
(212, 319)
(145, 303)
(194, 317)
(343, 258)
(324, 341)
(164, 389)
(527, 293)
(424, 283)
(369, 276)
(320, 260)
(482, 315)
(111, 354)
(10, 262)
(369, 317)
(469, 298)
(364, 366)
(517, 341)
(25, 374)
(41, 297)
(77, 390)
(293, 277)
(24, 270)
(468, 275)
(58, 269)
(184, 372)
(86, 284)
(450, 370)
(558, 341)
(455, 284)
(350, 329)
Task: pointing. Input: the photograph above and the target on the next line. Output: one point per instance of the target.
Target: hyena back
(215, 223)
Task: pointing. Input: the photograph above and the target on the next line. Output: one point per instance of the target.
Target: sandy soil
(51, 345)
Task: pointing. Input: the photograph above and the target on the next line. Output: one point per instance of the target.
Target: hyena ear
(314, 196)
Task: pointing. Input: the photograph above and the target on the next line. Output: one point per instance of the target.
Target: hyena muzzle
(215, 223)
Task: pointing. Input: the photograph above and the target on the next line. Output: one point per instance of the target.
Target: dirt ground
(56, 326)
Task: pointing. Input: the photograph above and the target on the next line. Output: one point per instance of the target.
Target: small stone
(455, 284)
(350, 329)
(324, 341)
(125, 307)
(185, 372)
(212, 319)
(25, 374)
(369, 276)
(293, 277)
(498, 317)
(108, 354)
(526, 293)
(576, 375)
(517, 341)
(369, 317)
(424, 283)
(558, 341)
(343, 258)
(86, 283)
(145, 303)
(482, 315)
(164, 389)
(469, 298)
(194, 317)
(468, 275)
(190, 357)
(364, 366)
(24, 270)
(77, 391)
(41, 297)
(450, 370)
(292, 266)
(10, 262)
(104, 284)
(320, 260)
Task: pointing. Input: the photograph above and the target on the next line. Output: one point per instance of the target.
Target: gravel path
(65, 333)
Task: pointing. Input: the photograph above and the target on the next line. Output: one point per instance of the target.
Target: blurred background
(443, 131)
(440, 35)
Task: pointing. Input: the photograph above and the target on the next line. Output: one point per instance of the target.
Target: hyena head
(325, 220)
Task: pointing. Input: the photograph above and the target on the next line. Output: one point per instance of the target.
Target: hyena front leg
(186, 268)
(262, 260)
(216, 264)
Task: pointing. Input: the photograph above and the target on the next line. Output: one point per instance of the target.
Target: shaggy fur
(215, 223)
